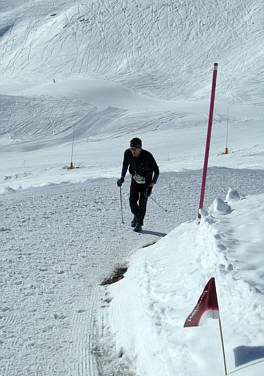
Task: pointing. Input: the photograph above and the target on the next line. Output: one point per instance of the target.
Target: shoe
(138, 228)
(134, 222)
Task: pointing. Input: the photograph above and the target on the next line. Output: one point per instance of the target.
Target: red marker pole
(209, 131)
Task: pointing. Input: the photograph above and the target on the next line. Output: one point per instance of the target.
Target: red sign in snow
(207, 304)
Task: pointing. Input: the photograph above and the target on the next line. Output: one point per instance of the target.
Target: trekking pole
(121, 203)
(158, 204)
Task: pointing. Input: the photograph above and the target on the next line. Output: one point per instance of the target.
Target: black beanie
(136, 143)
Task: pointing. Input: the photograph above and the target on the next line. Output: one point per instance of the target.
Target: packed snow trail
(60, 241)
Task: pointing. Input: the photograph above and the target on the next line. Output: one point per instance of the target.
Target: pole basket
(226, 151)
(71, 167)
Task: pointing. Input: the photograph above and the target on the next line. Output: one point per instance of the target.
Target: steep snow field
(157, 46)
(100, 73)
(122, 68)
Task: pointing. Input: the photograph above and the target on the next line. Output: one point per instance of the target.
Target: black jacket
(143, 165)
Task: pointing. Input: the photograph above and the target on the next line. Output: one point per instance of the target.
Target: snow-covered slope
(160, 47)
(104, 54)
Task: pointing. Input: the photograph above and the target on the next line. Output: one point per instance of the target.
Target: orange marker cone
(71, 167)
(226, 151)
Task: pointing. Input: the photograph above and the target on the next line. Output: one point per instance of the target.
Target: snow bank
(164, 282)
(220, 207)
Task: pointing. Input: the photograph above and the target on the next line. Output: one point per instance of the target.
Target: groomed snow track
(58, 243)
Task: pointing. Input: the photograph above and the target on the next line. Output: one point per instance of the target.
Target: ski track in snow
(60, 241)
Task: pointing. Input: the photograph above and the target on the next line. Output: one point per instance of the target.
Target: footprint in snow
(59, 316)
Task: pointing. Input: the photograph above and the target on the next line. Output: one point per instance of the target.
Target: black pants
(138, 200)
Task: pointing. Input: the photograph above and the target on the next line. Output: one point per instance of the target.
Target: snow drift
(164, 281)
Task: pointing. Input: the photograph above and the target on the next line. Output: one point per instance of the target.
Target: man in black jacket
(145, 172)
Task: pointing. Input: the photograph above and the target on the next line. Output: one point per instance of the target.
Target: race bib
(139, 179)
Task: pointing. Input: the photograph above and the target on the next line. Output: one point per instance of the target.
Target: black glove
(148, 191)
(120, 182)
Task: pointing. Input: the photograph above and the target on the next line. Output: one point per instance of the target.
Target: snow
(164, 282)
(219, 206)
(232, 195)
(125, 69)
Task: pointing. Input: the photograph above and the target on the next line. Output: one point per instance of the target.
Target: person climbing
(144, 175)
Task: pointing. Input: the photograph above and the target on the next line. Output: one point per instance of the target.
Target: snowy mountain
(78, 80)
(116, 64)
(165, 48)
